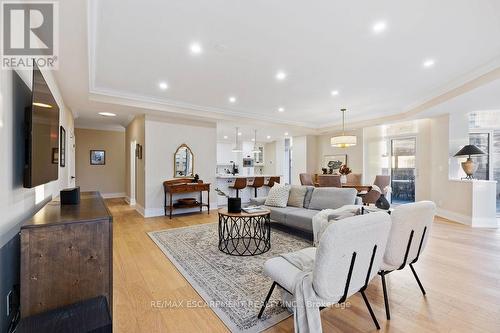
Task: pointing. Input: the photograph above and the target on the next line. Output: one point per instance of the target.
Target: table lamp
(468, 166)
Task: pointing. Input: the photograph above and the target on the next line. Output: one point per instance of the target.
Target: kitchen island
(226, 180)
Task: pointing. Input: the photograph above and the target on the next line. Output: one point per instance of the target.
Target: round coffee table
(244, 234)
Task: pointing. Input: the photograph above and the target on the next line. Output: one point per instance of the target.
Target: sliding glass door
(403, 163)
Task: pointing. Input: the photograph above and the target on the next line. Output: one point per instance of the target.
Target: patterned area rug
(234, 287)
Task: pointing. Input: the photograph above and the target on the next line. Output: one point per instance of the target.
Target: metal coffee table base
(244, 235)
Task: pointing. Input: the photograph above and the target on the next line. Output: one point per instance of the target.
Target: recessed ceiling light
(163, 85)
(428, 63)
(253, 139)
(281, 109)
(286, 133)
(232, 99)
(379, 27)
(280, 75)
(195, 48)
(268, 137)
(335, 92)
(107, 114)
(239, 133)
(225, 136)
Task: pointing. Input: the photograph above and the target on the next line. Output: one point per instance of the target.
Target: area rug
(234, 287)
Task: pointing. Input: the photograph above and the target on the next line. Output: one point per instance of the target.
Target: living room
(250, 167)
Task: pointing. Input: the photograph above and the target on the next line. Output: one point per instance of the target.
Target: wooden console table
(185, 185)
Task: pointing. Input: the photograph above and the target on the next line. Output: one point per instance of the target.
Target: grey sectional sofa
(315, 200)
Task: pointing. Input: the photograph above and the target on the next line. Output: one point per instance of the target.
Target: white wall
(162, 140)
(270, 159)
(304, 157)
(16, 202)
(299, 158)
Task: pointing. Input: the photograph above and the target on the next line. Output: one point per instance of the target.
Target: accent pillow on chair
(278, 196)
(296, 197)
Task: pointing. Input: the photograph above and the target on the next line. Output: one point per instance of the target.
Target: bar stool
(272, 180)
(257, 182)
(239, 184)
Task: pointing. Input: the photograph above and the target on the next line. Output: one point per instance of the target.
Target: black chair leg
(255, 192)
(370, 310)
(267, 300)
(386, 298)
(418, 280)
(237, 193)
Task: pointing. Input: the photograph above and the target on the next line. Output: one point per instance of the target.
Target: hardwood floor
(460, 269)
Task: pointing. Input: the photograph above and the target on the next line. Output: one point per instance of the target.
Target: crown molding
(175, 107)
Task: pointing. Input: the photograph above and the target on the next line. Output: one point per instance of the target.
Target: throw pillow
(278, 196)
(296, 197)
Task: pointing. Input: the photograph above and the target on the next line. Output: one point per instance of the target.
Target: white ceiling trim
(148, 102)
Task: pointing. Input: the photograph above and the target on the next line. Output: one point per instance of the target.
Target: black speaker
(234, 205)
(70, 196)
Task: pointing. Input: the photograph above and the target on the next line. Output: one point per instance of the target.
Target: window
(481, 140)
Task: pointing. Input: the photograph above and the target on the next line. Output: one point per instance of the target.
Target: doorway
(133, 173)
(403, 163)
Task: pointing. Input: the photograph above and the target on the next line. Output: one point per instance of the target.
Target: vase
(382, 202)
(234, 205)
(343, 179)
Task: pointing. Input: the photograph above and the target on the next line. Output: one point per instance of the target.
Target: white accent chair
(349, 255)
(411, 226)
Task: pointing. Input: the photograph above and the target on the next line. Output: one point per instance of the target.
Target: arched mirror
(183, 162)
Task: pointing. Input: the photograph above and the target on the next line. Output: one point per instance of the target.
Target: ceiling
(114, 58)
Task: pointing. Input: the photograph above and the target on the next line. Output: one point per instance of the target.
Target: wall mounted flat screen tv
(42, 134)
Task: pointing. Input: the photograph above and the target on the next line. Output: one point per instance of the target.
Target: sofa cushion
(278, 195)
(332, 197)
(279, 214)
(296, 197)
(307, 197)
(258, 201)
(301, 218)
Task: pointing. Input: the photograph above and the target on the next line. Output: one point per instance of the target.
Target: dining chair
(381, 186)
(354, 178)
(329, 181)
(411, 226)
(306, 179)
(348, 256)
(382, 181)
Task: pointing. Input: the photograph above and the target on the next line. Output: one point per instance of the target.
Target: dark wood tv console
(66, 255)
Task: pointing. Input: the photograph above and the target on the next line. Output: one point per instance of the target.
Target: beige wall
(162, 140)
(135, 131)
(448, 195)
(354, 154)
(109, 179)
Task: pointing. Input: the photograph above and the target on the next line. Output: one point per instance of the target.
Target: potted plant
(233, 204)
(344, 171)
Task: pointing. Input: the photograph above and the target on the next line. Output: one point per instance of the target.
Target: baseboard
(485, 222)
(131, 202)
(113, 195)
(449, 215)
(139, 209)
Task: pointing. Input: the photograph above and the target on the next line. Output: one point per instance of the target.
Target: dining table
(358, 187)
